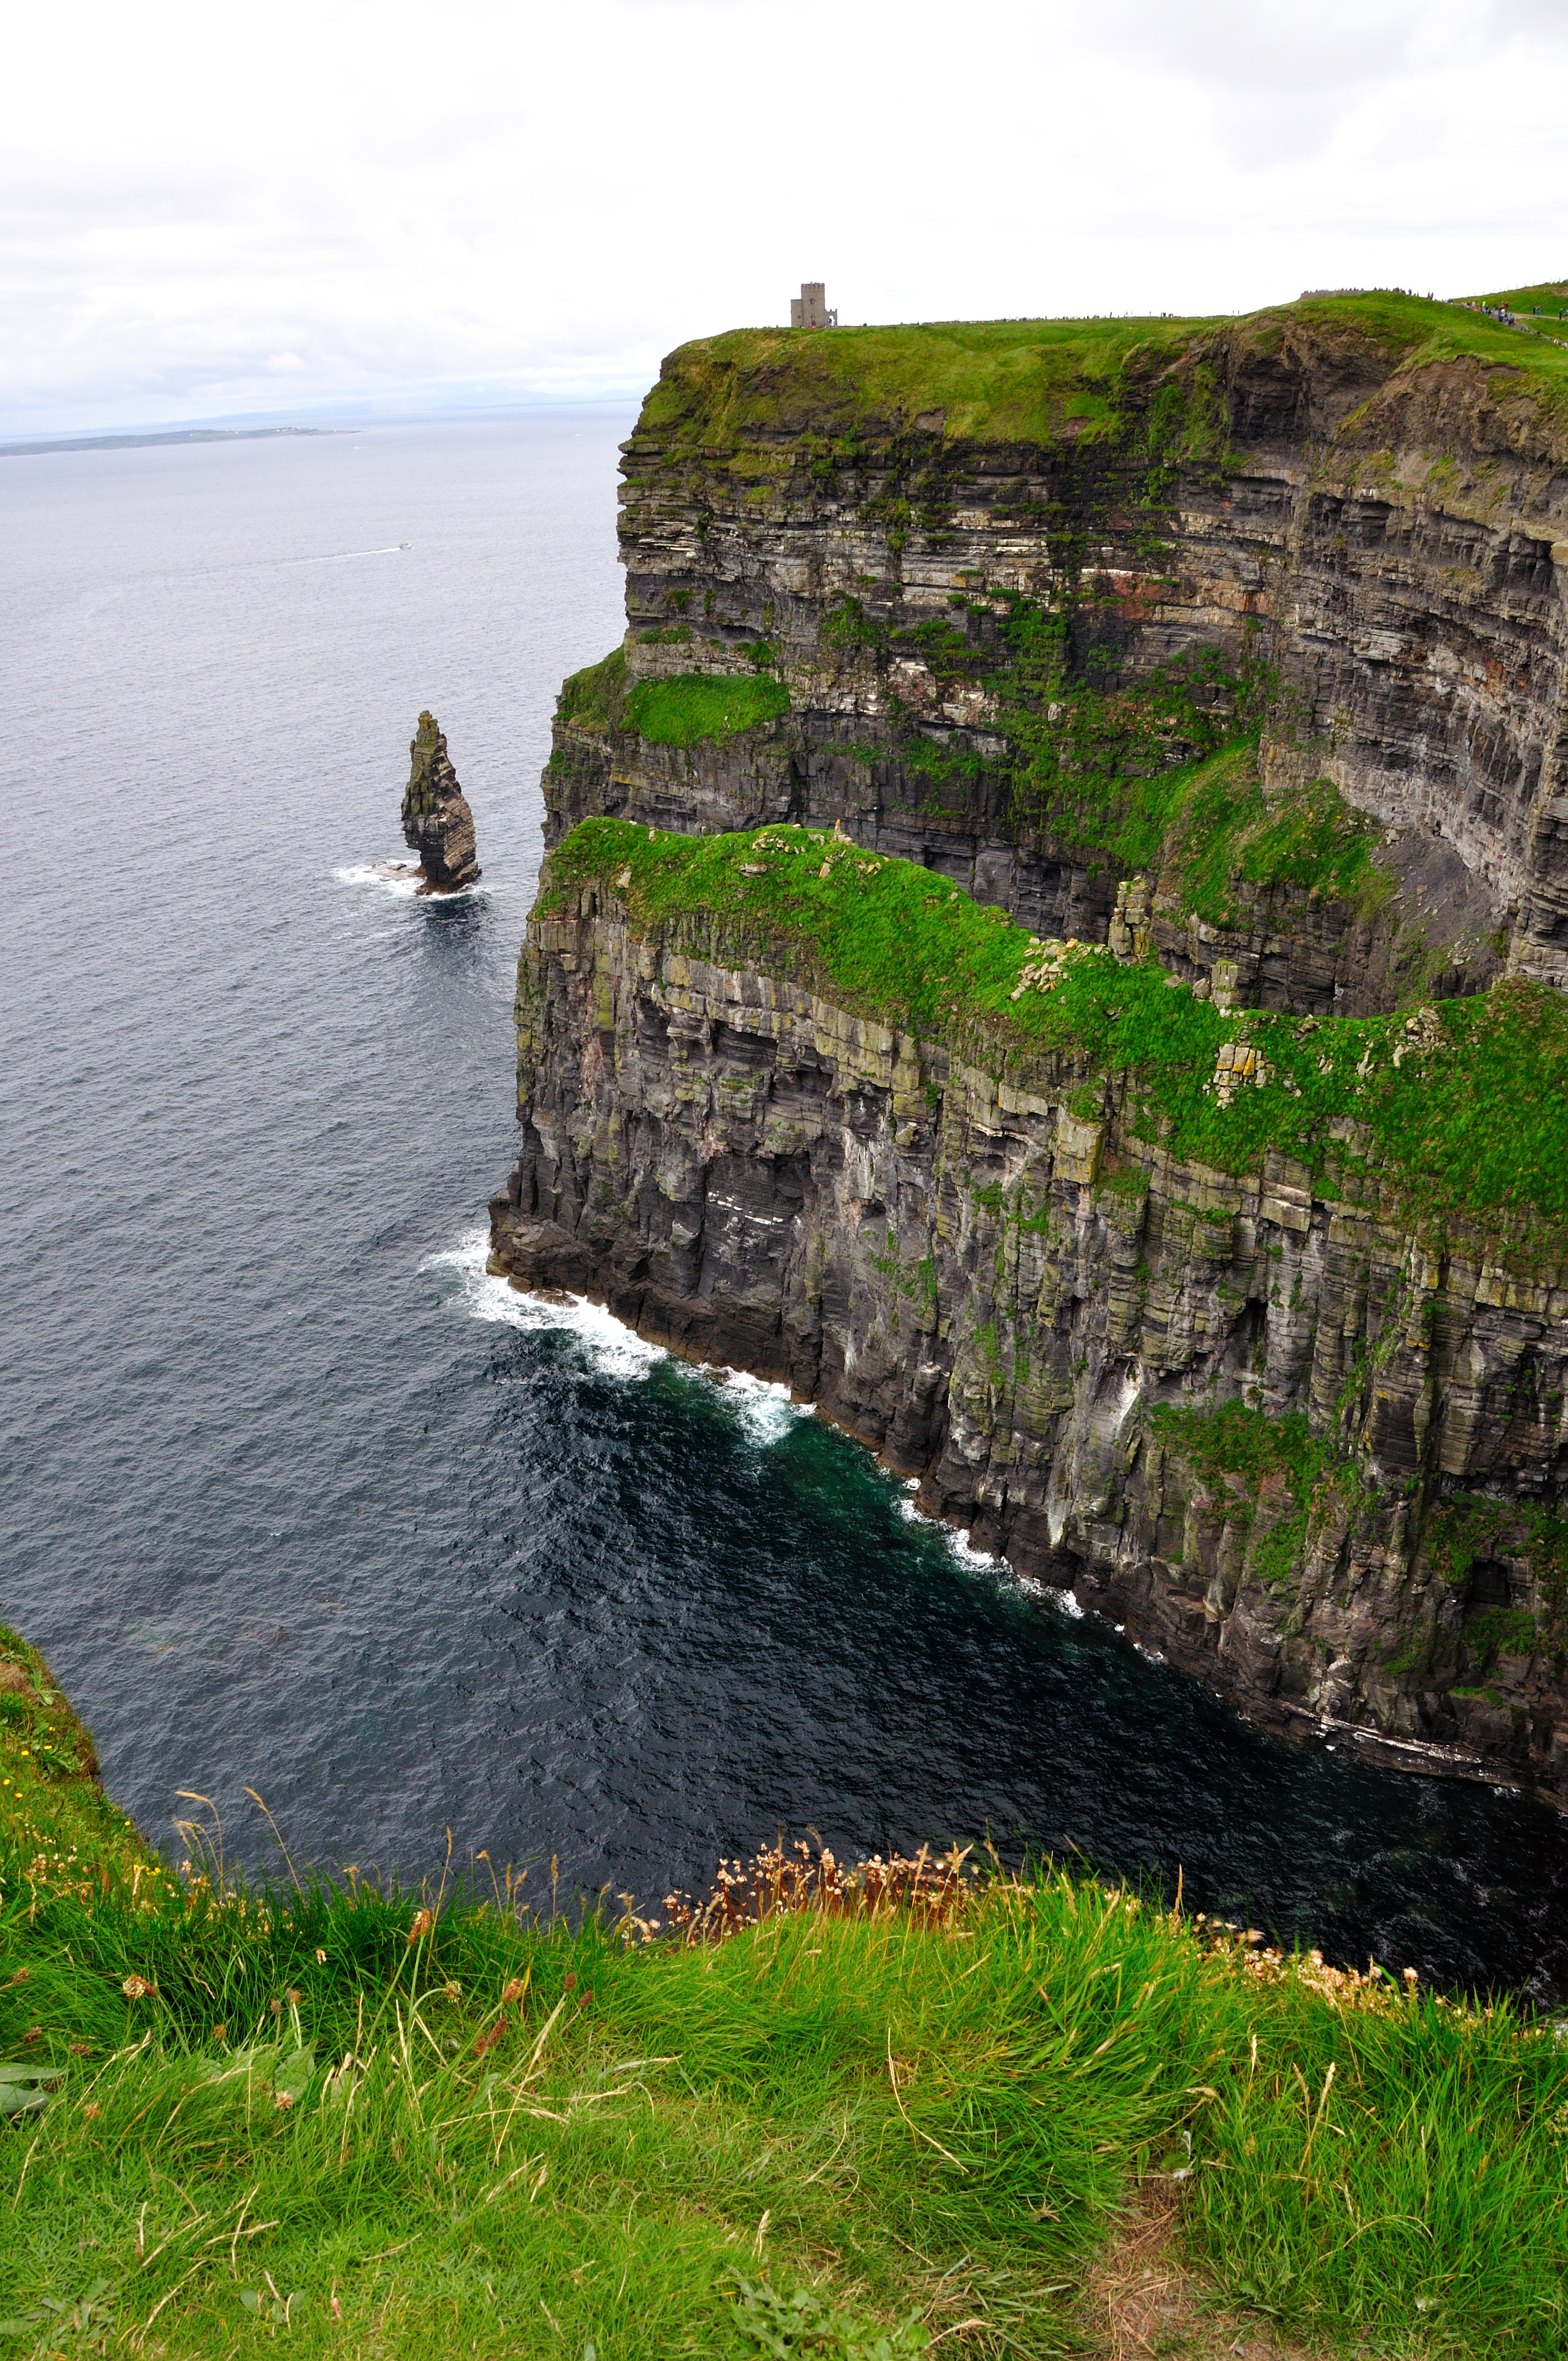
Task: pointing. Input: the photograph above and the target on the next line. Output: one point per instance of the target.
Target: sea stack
(437, 821)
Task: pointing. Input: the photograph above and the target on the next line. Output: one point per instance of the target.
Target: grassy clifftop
(847, 2113)
(1040, 381)
(1008, 380)
(1455, 1107)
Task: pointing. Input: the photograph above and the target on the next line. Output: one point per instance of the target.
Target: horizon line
(349, 415)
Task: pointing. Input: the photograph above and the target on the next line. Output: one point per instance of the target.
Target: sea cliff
(979, 591)
(1232, 1325)
(1142, 1118)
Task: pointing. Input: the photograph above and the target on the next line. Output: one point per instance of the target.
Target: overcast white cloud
(204, 212)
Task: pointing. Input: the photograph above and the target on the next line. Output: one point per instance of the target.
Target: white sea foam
(766, 1412)
(973, 1561)
(399, 877)
(612, 1348)
(402, 878)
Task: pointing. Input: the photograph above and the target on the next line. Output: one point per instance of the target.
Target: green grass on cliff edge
(1031, 381)
(54, 1815)
(1459, 1109)
(682, 709)
(361, 2122)
(691, 707)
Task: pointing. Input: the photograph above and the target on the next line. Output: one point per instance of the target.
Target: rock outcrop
(1280, 1426)
(437, 822)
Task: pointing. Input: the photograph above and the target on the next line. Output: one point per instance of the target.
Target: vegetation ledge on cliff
(1451, 1113)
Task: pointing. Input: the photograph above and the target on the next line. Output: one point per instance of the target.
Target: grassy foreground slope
(461, 2134)
(60, 1829)
(867, 2113)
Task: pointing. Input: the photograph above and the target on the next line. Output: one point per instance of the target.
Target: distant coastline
(180, 434)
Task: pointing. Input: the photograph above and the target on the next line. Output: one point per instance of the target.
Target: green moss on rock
(1253, 1462)
(595, 698)
(681, 709)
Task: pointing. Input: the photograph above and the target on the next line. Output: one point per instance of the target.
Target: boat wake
(341, 556)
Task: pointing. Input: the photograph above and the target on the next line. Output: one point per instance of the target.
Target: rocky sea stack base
(437, 821)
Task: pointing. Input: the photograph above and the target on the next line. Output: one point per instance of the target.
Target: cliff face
(1011, 577)
(1272, 1419)
(437, 822)
(1236, 648)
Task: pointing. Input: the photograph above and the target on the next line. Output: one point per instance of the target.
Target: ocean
(301, 1505)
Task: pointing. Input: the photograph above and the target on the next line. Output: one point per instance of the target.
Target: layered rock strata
(437, 822)
(1318, 522)
(1050, 1321)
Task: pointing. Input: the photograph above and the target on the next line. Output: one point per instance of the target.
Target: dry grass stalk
(934, 1890)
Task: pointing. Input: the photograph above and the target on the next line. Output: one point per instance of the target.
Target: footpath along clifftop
(1193, 1220)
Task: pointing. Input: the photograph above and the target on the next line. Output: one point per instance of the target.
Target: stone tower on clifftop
(810, 310)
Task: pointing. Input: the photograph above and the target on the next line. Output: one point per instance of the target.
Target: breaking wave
(765, 1413)
(399, 877)
(609, 1346)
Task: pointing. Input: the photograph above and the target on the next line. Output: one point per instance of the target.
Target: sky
(208, 213)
